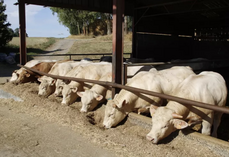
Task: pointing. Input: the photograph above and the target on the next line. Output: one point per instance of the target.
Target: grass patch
(35, 45)
(100, 44)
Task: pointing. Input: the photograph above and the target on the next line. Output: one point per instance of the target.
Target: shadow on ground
(7, 69)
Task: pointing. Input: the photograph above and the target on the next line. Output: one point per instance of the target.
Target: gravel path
(60, 47)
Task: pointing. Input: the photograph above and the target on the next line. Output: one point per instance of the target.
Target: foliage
(78, 21)
(16, 33)
(5, 32)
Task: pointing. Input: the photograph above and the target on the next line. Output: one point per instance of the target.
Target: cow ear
(114, 106)
(175, 115)
(80, 93)
(152, 109)
(39, 79)
(98, 97)
(122, 104)
(74, 90)
(53, 82)
(180, 124)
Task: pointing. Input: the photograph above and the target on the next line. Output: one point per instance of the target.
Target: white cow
(163, 81)
(97, 94)
(90, 98)
(48, 84)
(207, 87)
(93, 72)
(72, 73)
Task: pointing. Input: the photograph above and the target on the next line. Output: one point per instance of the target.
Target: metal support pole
(117, 47)
(124, 73)
(22, 32)
(134, 39)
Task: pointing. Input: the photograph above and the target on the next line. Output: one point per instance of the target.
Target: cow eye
(165, 126)
(110, 115)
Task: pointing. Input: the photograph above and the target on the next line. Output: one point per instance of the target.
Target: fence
(185, 102)
(84, 54)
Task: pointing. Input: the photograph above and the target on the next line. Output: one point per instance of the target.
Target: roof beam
(162, 4)
(186, 11)
(61, 4)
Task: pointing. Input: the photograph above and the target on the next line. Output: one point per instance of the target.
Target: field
(101, 44)
(35, 45)
(82, 45)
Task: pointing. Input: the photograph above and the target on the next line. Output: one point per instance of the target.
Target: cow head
(113, 114)
(69, 93)
(14, 76)
(47, 86)
(59, 87)
(164, 122)
(89, 99)
(25, 76)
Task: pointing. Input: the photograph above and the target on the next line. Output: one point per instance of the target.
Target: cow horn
(175, 115)
(114, 105)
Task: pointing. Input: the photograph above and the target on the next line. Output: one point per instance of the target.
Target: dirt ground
(43, 127)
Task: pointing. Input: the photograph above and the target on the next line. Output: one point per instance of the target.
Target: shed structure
(162, 29)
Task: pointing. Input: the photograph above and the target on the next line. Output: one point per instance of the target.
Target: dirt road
(62, 46)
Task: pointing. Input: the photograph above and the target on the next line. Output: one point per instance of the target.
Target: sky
(40, 22)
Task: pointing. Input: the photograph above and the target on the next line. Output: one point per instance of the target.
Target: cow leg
(217, 120)
(207, 124)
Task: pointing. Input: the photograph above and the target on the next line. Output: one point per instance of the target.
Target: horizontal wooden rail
(133, 89)
(80, 54)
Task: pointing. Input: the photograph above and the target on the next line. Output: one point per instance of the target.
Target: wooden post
(22, 32)
(134, 37)
(117, 47)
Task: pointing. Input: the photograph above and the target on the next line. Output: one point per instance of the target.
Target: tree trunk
(87, 32)
(126, 25)
(84, 29)
(78, 28)
(108, 24)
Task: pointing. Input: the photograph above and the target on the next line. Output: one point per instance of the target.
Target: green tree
(78, 21)
(16, 32)
(5, 32)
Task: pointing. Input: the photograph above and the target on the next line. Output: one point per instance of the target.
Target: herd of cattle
(207, 87)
